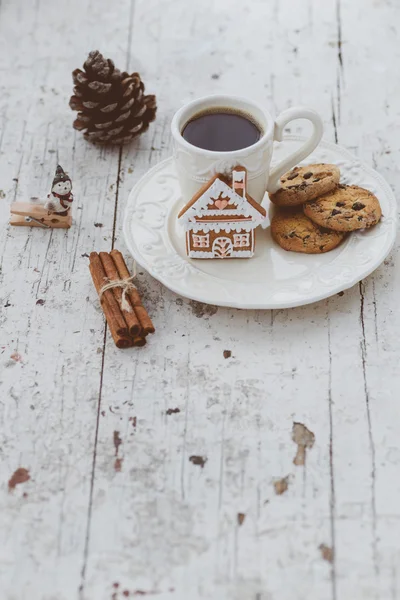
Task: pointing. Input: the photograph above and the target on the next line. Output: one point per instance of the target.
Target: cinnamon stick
(123, 342)
(141, 312)
(116, 322)
(112, 274)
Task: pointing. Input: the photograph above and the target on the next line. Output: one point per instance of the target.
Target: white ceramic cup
(195, 166)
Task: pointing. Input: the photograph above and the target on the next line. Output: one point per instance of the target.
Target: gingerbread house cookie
(221, 218)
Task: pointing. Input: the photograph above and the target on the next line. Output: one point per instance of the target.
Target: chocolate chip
(297, 186)
(340, 204)
(307, 175)
(292, 176)
(358, 206)
(336, 212)
(316, 179)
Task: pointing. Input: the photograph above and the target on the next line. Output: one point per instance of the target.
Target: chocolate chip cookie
(347, 208)
(302, 184)
(292, 230)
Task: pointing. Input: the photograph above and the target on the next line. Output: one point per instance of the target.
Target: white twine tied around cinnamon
(125, 284)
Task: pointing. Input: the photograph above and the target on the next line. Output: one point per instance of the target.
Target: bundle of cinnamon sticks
(126, 316)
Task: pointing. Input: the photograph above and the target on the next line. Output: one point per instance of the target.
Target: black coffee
(221, 131)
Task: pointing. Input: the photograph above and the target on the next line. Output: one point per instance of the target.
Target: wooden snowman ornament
(60, 199)
(55, 213)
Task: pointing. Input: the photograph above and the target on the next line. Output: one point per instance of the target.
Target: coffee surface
(221, 131)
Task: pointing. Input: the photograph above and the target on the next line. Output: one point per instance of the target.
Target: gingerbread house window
(201, 241)
(241, 239)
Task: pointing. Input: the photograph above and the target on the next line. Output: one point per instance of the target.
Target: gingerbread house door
(222, 247)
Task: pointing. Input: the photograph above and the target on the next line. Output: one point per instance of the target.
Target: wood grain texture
(154, 471)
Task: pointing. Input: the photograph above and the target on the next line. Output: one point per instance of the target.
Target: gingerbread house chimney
(239, 181)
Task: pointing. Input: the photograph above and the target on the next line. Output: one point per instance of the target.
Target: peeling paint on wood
(118, 464)
(281, 485)
(198, 460)
(304, 438)
(240, 518)
(19, 476)
(117, 442)
(326, 553)
(201, 310)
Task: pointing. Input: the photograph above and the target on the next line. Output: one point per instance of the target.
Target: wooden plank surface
(168, 470)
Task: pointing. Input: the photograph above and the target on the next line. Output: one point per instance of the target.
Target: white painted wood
(163, 524)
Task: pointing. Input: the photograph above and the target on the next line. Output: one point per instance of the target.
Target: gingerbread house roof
(219, 183)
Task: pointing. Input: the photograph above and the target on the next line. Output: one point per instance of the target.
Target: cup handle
(291, 161)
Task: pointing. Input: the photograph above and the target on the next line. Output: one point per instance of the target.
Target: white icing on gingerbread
(225, 211)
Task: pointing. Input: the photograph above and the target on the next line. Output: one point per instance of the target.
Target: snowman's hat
(60, 175)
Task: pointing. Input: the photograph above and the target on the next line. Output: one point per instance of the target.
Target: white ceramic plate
(273, 278)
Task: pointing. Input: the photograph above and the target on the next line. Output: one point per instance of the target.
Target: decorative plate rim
(231, 302)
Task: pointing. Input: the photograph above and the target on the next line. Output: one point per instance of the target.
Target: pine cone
(113, 109)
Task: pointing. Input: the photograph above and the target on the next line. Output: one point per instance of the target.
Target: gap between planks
(96, 435)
